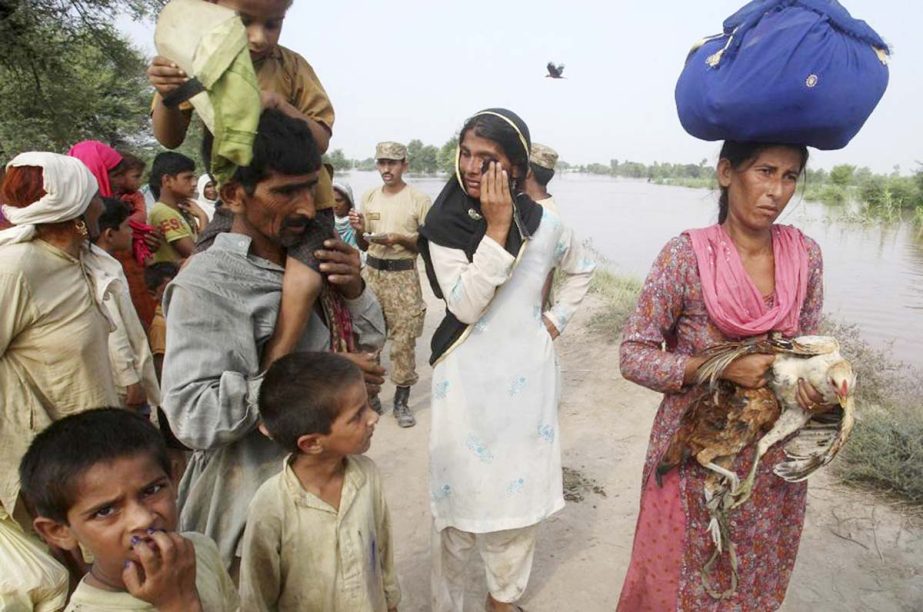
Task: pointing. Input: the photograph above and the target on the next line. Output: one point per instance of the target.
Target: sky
(405, 69)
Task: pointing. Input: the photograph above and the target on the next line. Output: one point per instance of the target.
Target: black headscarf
(455, 221)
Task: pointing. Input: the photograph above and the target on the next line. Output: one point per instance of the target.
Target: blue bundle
(784, 71)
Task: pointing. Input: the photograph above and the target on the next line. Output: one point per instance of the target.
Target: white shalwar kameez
(495, 455)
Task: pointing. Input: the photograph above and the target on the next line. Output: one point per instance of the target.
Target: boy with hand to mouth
(318, 534)
(100, 480)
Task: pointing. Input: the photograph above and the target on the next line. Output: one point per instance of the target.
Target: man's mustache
(299, 222)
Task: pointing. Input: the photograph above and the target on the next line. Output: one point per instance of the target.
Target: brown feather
(720, 424)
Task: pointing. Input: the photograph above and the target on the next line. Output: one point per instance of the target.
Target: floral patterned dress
(671, 543)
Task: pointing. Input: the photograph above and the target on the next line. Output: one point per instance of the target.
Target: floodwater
(873, 272)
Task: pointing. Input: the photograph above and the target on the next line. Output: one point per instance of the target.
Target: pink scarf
(100, 159)
(734, 303)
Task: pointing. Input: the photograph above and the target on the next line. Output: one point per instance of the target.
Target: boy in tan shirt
(318, 534)
(99, 480)
(287, 80)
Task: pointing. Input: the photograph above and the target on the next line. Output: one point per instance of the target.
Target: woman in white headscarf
(342, 204)
(54, 356)
(207, 195)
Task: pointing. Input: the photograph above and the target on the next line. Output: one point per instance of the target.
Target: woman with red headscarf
(115, 174)
(54, 355)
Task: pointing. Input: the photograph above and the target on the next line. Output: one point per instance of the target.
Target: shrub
(885, 450)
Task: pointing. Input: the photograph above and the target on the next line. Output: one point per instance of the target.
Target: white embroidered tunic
(495, 457)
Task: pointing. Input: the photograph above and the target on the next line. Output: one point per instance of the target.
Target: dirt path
(857, 553)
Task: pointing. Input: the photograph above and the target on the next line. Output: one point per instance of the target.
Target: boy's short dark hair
(51, 469)
(131, 162)
(156, 273)
(283, 144)
(542, 175)
(168, 163)
(114, 214)
(301, 394)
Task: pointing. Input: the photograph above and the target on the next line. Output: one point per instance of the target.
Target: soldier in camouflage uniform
(387, 230)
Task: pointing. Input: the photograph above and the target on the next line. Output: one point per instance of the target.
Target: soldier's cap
(543, 155)
(390, 150)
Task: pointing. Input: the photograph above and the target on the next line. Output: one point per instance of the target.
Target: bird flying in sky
(555, 72)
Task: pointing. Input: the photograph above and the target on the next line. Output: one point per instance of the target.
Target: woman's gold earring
(81, 226)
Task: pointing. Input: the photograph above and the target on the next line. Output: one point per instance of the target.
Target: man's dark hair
(542, 175)
(157, 273)
(168, 163)
(284, 145)
(51, 470)
(114, 214)
(301, 394)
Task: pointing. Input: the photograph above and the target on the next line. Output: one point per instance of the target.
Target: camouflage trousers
(401, 301)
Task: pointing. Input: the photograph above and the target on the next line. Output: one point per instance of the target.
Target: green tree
(66, 74)
(842, 175)
(414, 160)
(446, 157)
(338, 160)
(429, 159)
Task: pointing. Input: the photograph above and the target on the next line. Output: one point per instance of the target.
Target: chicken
(818, 439)
(718, 425)
(818, 361)
(555, 72)
(725, 418)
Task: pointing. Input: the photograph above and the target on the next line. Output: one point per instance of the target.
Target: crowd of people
(188, 384)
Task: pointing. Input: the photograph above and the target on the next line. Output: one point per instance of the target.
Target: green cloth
(224, 68)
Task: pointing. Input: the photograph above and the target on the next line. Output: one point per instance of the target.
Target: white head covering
(204, 203)
(69, 187)
(347, 191)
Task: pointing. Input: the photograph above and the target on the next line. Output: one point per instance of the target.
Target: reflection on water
(873, 273)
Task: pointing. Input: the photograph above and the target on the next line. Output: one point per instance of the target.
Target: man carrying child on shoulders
(223, 311)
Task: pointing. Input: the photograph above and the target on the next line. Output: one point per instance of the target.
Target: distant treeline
(421, 159)
(841, 184)
(845, 183)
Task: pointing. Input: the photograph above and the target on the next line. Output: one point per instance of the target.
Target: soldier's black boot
(401, 409)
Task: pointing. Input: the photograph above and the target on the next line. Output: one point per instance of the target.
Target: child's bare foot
(498, 606)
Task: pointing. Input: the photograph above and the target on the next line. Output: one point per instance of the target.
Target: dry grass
(619, 295)
(885, 450)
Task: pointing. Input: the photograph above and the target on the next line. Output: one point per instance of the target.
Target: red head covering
(100, 159)
(20, 186)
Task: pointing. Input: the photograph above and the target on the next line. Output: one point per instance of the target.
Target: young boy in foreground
(318, 534)
(100, 480)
